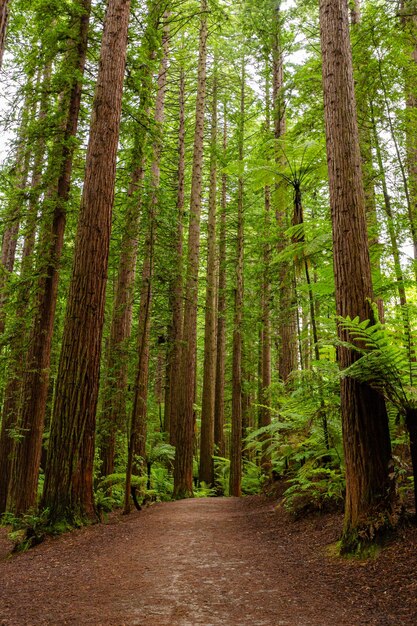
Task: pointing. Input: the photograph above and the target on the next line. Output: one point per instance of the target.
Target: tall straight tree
(24, 483)
(137, 440)
(364, 418)
(265, 364)
(206, 472)
(17, 343)
(68, 491)
(219, 440)
(114, 414)
(235, 480)
(4, 16)
(183, 469)
(409, 19)
(287, 342)
(175, 330)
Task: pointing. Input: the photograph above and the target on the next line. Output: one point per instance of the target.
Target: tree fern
(384, 363)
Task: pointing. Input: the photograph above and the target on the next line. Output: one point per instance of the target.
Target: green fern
(384, 363)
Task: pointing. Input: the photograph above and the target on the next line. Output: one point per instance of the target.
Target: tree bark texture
(364, 418)
(287, 346)
(4, 16)
(175, 331)
(206, 470)
(114, 416)
(265, 337)
(183, 468)
(409, 21)
(219, 418)
(23, 488)
(235, 487)
(19, 330)
(137, 441)
(68, 490)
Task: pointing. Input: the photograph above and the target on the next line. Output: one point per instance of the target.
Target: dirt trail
(207, 561)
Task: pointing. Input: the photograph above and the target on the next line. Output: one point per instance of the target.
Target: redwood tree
(4, 16)
(364, 418)
(24, 483)
(206, 470)
(183, 470)
(68, 491)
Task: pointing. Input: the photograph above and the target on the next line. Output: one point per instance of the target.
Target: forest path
(228, 561)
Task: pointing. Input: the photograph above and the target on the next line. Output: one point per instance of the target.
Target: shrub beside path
(227, 561)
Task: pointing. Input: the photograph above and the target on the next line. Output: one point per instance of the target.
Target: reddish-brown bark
(206, 469)
(137, 440)
(219, 440)
(24, 483)
(4, 16)
(287, 326)
(175, 331)
(265, 337)
(183, 469)
(68, 491)
(12, 393)
(364, 418)
(114, 416)
(235, 480)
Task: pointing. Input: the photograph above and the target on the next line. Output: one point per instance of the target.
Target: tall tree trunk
(219, 441)
(23, 488)
(235, 488)
(4, 16)
(175, 332)
(355, 11)
(17, 203)
(265, 363)
(12, 393)
(114, 414)
(68, 491)
(137, 440)
(364, 419)
(365, 143)
(287, 347)
(394, 244)
(409, 21)
(206, 472)
(183, 469)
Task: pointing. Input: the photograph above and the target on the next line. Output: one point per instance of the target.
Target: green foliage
(384, 361)
(315, 489)
(31, 529)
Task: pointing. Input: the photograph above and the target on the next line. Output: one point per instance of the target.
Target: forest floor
(228, 561)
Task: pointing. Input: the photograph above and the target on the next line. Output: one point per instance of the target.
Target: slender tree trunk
(175, 334)
(137, 440)
(287, 347)
(364, 418)
(12, 393)
(4, 16)
(409, 21)
(365, 143)
(183, 469)
(114, 415)
(411, 208)
(265, 365)
(17, 204)
(355, 12)
(235, 488)
(394, 245)
(219, 440)
(114, 402)
(23, 488)
(68, 491)
(206, 473)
